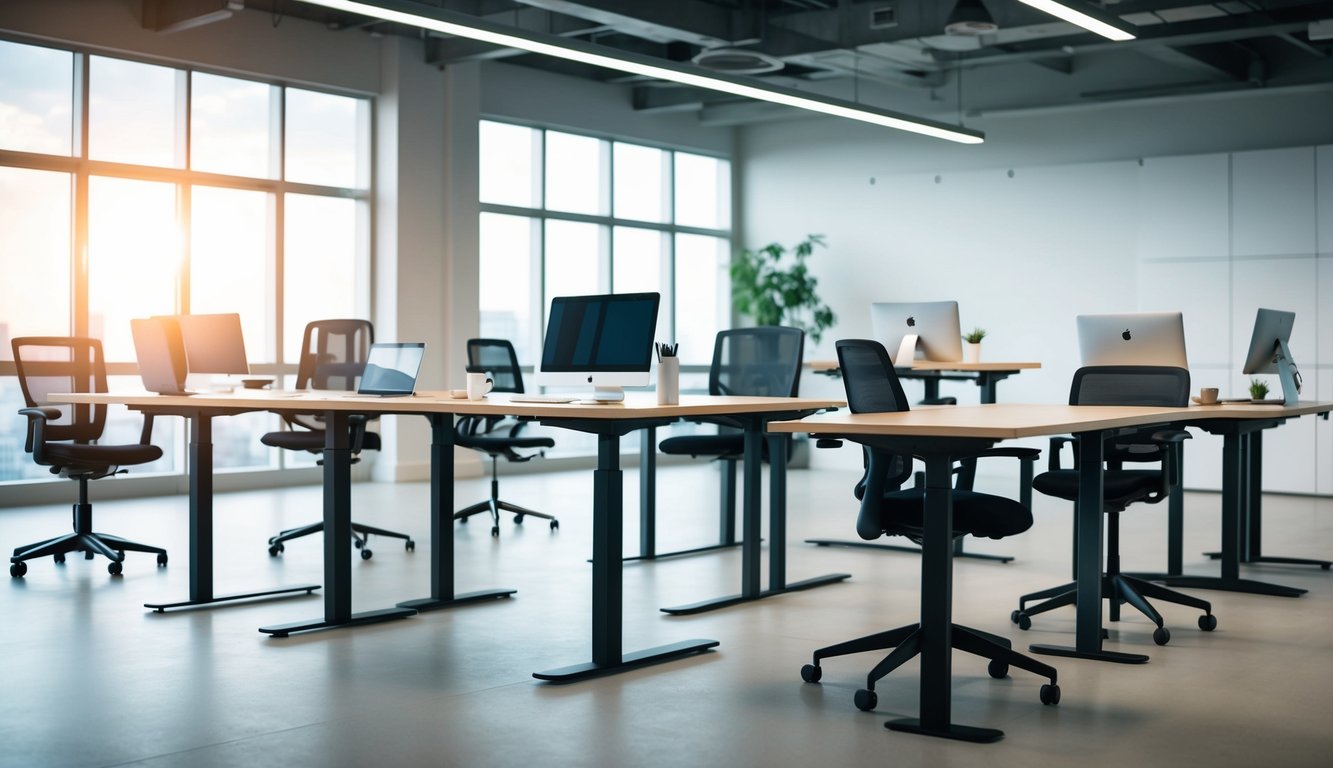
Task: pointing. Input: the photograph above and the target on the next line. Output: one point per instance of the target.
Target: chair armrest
(1023, 454)
(1053, 460)
(1173, 439)
(828, 442)
(37, 418)
(1170, 436)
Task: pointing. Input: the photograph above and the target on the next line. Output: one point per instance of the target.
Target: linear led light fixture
(461, 25)
(1088, 18)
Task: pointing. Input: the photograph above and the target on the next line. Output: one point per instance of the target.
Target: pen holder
(668, 381)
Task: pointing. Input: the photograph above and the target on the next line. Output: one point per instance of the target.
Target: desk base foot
(1248, 586)
(948, 731)
(680, 552)
(1323, 564)
(726, 602)
(285, 591)
(1072, 652)
(627, 661)
(357, 619)
(435, 603)
(901, 548)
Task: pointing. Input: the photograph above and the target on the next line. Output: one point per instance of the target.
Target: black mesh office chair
(493, 436)
(1122, 385)
(872, 386)
(64, 438)
(763, 361)
(333, 355)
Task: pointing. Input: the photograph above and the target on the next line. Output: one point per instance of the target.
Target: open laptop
(160, 351)
(391, 369)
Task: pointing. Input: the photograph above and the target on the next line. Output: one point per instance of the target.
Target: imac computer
(605, 341)
(1133, 338)
(1269, 353)
(923, 330)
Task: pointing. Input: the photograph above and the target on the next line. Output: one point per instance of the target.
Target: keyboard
(521, 398)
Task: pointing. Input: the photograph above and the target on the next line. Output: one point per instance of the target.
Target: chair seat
(980, 514)
(312, 440)
(731, 444)
(499, 444)
(1120, 486)
(75, 455)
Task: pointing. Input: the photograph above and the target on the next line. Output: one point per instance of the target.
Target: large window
(130, 189)
(566, 214)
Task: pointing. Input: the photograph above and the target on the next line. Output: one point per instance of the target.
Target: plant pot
(971, 352)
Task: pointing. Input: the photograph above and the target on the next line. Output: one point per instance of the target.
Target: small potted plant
(1258, 389)
(972, 353)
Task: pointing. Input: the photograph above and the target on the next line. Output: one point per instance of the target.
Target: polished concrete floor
(92, 679)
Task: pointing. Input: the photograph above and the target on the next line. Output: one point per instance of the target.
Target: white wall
(1025, 238)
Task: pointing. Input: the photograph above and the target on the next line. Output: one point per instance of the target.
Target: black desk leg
(607, 597)
(442, 525)
(201, 527)
(1088, 562)
(752, 523)
(937, 615)
(337, 457)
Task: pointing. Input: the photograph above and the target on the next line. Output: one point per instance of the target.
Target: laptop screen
(391, 369)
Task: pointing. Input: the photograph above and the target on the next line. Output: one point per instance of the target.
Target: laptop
(160, 351)
(391, 369)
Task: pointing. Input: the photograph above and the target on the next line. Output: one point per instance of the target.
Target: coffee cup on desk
(1207, 395)
(478, 384)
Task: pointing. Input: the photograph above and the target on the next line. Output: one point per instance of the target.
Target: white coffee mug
(478, 384)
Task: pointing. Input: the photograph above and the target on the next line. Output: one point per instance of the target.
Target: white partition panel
(1273, 202)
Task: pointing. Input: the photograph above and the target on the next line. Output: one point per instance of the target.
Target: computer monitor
(1269, 352)
(1133, 338)
(605, 341)
(920, 330)
(214, 343)
(161, 354)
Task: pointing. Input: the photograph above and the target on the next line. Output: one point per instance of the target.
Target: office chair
(763, 361)
(872, 386)
(1122, 385)
(333, 354)
(51, 364)
(497, 359)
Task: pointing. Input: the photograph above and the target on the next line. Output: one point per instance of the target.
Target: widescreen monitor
(1133, 338)
(603, 341)
(1269, 351)
(933, 323)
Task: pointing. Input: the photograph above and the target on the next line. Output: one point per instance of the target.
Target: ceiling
(898, 55)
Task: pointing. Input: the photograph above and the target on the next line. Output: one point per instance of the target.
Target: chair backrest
(333, 356)
(868, 377)
(1130, 385)
(762, 362)
(52, 364)
(497, 359)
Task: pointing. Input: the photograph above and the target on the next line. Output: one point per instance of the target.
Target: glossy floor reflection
(93, 679)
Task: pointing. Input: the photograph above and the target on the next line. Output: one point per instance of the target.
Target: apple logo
(590, 378)
(1125, 335)
(911, 321)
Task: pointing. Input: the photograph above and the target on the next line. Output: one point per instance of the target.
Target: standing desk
(608, 421)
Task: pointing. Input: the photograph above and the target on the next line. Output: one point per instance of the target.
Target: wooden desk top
(637, 405)
(931, 365)
(1004, 421)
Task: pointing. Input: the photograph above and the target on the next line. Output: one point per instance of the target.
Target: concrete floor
(93, 679)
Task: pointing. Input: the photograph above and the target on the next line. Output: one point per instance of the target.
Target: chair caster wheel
(495, 531)
(555, 525)
(114, 568)
(811, 674)
(997, 669)
(1208, 622)
(358, 543)
(410, 546)
(463, 520)
(1161, 635)
(162, 560)
(87, 554)
(1013, 616)
(18, 569)
(1324, 566)
(276, 549)
(59, 558)
(865, 700)
(366, 554)
(1023, 621)
(1050, 694)
(518, 519)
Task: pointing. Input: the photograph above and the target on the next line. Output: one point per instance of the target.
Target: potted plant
(1258, 389)
(774, 290)
(972, 353)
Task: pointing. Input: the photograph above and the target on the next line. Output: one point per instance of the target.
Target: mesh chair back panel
(1130, 385)
(497, 359)
(52, 364)
(761, 362)
(868, 377)
(333, 356)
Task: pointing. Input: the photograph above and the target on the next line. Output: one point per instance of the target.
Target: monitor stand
(906, 351)
(605, 393)
(1288, 374)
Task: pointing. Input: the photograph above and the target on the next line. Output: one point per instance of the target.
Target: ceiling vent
(737, 61)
